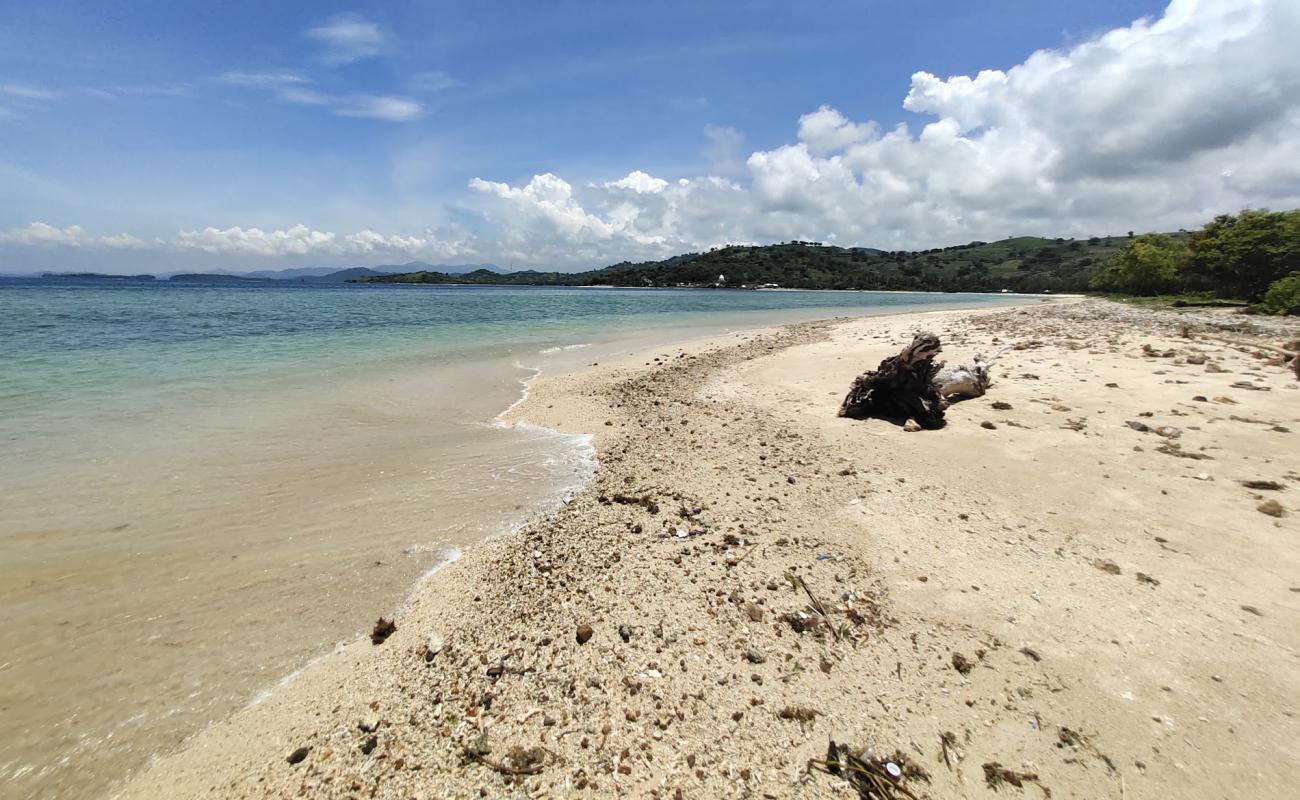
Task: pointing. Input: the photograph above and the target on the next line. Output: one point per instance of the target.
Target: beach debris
(1269, 486)
(1252, 610)
(901, 388)
(298, 756)
(433, 645)
(872, 777)
(963, 381)
(1142, 577)
(995, 775)
(584, 633)
(383, 629)
(1106, 565)
(948, 749)
(962, 664)
(369, 745)
(1001, 406)
(1031, 653)
(517, 761)
(1271, 507)
(801, 714)
(1176, 450)
(625, 633)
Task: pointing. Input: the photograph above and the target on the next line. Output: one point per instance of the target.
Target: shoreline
(225, 756)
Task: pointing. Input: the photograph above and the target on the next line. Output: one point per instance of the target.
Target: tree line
(1253, 256)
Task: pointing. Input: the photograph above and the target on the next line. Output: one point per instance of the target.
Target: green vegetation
(1022, 264)
(1252, 256)
(1283, 297)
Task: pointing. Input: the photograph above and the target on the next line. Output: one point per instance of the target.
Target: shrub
(1283, 296)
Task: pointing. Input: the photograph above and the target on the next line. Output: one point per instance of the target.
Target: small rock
(1140, 427)
(989, 426)
(1270, 507)
(624, 633)
(369, 724)
(1106, 565)
(584, 633)
(548, 720)
(369, 745)
(1252, 610)
(754, 612)
(754, 657)
(1001, 406)
(298, 755)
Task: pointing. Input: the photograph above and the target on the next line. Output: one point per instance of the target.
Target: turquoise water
(67, 338)
(205, 486)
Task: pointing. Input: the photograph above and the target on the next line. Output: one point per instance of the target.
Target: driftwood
(901, 388)
(964, 381)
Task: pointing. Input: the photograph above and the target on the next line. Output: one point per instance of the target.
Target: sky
(160, 136)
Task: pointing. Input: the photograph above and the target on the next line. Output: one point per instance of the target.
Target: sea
(205, 486)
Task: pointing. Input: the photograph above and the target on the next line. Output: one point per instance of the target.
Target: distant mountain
(444, 269)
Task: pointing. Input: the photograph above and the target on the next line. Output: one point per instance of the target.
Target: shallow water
(206, 486)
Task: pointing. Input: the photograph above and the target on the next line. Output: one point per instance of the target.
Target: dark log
(901, 388)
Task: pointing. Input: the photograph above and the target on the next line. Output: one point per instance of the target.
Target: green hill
(1022, 264)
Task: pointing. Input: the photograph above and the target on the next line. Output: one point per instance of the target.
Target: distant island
(96, 276)
(1020, 264)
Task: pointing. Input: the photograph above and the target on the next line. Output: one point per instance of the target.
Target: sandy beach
(1074, 590)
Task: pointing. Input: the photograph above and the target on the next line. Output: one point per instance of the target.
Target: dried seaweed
(871, 777)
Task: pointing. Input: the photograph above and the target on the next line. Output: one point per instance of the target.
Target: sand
(1124, 616)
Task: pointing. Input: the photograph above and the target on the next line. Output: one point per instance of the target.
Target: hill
(1022, 264)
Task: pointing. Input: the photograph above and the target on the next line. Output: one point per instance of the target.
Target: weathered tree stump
(901, 388)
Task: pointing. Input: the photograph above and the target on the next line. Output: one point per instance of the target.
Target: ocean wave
(563, 348)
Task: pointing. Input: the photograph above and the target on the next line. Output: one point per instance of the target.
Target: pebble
(584, 633)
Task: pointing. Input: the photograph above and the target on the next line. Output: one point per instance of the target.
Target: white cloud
(639, 182)
(725, 151)
(300, 240)
(827, 130)
(393, 109)
(347, 38)
(433, 81)
(290, 87)
(41, 234)
(25, 92)
(271, 79)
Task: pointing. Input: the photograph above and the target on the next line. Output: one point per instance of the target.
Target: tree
(1242, 255)
(1149, 264)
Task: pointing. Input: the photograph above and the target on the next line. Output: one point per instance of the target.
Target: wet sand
(1077, 586)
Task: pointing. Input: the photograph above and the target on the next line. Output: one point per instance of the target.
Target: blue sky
(163, 133)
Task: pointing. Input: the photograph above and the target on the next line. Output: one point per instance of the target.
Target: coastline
(489, 646)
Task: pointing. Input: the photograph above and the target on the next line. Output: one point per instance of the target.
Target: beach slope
(1091, 587)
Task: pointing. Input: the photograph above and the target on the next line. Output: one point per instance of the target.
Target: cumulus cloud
(41, 234)
(300, 240)
(347, 38)
(1157, 125)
